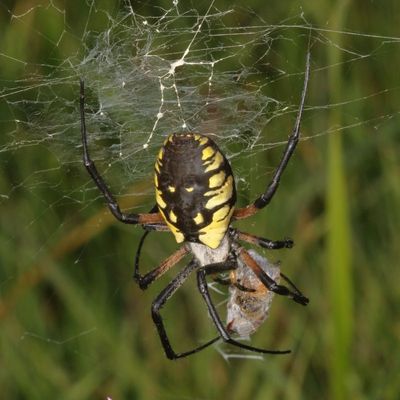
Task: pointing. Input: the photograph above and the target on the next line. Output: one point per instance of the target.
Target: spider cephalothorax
(195, 196)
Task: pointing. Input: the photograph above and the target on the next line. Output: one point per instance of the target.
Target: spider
(195, 200)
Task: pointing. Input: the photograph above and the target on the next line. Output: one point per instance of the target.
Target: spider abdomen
(195, 189)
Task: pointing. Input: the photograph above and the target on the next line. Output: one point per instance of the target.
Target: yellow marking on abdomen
(198, 219)
(172, 216)
(161, 154)
(215, 163)
(222, 195)
(221, 214)
(189, 189)
(204, 140)
(160, 201)
(171, 189)
(176, 232)
(216, 180)
(207, 153)
(212, 234)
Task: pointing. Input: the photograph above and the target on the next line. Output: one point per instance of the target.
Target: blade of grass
(338, 236)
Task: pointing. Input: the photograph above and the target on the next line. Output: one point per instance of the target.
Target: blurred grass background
(73, 325)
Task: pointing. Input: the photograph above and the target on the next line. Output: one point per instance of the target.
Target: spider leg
(291, 284)
(269, 283)
(262, 242)
(145, 280)
(100, 183)
(159, 227)
(228, 282)
(202, 285)
(160, 301)
(219, 267)
(267, 196)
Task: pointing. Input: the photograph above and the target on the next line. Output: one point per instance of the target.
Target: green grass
(73, 325)
(339, 239)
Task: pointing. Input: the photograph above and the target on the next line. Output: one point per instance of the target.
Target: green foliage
(75, 326)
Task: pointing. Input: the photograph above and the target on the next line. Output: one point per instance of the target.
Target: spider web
(148, 76)
(150, 72)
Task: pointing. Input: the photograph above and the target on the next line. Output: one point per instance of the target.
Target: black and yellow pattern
(195, 189)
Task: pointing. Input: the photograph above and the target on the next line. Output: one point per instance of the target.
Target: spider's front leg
(270, 191)
(143, 219)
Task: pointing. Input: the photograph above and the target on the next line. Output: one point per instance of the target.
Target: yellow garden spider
(195, 196)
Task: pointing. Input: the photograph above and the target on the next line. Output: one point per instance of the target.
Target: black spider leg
(91, 168)
(244, 289)
(228, 282)
(136, 273)
(160, 301)
(274, 244)
(268, 282)
(155, 226)
(267, 196)
(144, 281)
(162, 298)
(203, 288)
(291, 284)
(259, 241)
(282, 290)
